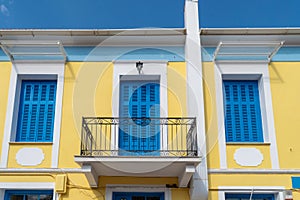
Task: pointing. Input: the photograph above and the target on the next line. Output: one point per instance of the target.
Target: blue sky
(249, 13)
(91, 13)
(109, 14)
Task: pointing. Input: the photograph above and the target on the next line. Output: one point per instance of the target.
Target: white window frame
(123, 68)
(246, 71)
(26, 186)
(276, 190)
(32, 71)
(110, 188)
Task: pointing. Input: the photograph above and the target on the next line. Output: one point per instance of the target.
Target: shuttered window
(249, 196)
(28, 194)
(36, 111)
(139, 104)
(242, 111)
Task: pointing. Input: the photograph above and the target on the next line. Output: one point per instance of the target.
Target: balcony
(147, 147)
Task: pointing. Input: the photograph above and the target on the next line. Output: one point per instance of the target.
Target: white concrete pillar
(195, 100)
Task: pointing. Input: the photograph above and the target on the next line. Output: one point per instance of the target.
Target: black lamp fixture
(139, 66)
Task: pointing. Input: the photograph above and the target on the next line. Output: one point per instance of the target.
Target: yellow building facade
(152, 114)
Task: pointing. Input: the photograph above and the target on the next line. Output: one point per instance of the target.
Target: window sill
(249, 143)
(30, 143)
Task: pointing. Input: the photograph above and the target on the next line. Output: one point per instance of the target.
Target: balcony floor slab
(138, 166)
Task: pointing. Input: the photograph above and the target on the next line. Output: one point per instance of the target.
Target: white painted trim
(248, 156)
(2, 193)
(170, 159)
(253, 171)
(149, 68)
(91, 175)
(34, 69)
(247, 71)
(220, 116)
(143, 61)
(8, 117)
(137, 188)
(58, 115)
(221, 195)
(44, 170)
(276, 190)
(27, 186)
(185, 177)
(30, 156)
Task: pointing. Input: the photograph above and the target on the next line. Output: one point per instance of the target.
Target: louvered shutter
(124, 130)
(36, 111)
(242, 111)
(138, 100)
(154, 112)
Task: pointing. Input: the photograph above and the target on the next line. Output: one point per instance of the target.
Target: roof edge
(251, 31)
(94, 32)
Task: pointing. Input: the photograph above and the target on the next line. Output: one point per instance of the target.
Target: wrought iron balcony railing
(109, 136)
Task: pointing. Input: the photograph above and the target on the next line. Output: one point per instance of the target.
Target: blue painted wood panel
(139, 99)
(296, 182)
(36, 111)
(242, 111)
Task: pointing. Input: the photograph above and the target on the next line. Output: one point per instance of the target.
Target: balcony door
(139, 132)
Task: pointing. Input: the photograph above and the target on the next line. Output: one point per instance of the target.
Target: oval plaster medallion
(248, 157)
(30, 156)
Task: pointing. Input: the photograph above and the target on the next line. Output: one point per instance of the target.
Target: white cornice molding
(253, 171)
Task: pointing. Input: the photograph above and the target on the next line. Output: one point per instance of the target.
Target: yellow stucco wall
(180, 194)
(78, 188)
(5, 69)
(176, 193)
(103, 180)
(264, 149)
(87, 93)
(249, 181)
(285, 87)
(176, 89)
(216, 180)
(16, 146)
(211, 123)
(176, 76)
(284, 82)
(11, 177)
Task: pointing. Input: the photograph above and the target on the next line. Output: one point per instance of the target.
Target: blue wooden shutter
(242, 111)
(125, 128)
(139, 99)
(36, 111)
(153, 111)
